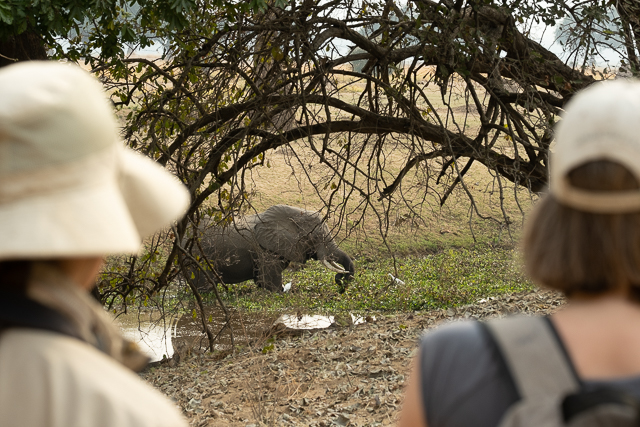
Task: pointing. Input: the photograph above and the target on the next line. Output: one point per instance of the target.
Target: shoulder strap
(532, 353)
(20, 311)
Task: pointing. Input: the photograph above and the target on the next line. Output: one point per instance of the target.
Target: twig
(197, 295)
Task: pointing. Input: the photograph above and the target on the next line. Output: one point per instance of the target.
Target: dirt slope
(344, 376)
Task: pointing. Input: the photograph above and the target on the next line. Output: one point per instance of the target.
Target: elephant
(261, 246)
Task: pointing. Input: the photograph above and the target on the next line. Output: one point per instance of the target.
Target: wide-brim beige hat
(68, 186)
(600, 123)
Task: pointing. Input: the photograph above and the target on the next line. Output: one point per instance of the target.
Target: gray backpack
(551, 394)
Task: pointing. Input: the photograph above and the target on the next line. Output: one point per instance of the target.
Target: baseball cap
(601, 122)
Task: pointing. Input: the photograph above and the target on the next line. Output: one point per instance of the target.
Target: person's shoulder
(462, 381)
(456, 352)
(100, 386)
(455, 334)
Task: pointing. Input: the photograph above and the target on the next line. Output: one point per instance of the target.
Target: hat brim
(154, 197)
(104, 217)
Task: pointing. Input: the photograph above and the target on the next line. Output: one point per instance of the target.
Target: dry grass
(415, 222)
(485, 209)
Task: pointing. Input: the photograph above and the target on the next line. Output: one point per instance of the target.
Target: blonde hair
(582, 252)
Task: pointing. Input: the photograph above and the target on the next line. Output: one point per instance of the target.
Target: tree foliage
(213, 108)
(76, 29)
(447, 84)
(79, 28)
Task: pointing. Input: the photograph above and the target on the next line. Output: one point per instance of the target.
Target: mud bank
(344, 376)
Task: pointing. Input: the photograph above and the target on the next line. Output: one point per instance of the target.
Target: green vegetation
(449, 278)
(438, 139)
(445, 129)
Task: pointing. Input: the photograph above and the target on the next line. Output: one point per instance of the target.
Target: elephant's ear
(282, 229)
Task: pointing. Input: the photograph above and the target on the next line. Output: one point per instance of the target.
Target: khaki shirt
(52, 380)
(48, 379)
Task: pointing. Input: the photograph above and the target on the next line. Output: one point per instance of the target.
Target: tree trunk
(629, 14)
(22, 47)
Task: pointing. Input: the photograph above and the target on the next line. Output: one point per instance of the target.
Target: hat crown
(600, 123)
(50, 115)
(68, 186)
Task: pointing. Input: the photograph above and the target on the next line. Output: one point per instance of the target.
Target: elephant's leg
(268, 272)
(200, 280)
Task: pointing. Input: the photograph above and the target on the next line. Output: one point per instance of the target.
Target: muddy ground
(344, 376)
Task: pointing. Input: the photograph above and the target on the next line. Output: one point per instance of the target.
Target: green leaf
(277, 54)
(5, 14)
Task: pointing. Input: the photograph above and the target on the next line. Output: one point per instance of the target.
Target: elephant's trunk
(350, 268)
(336, 257)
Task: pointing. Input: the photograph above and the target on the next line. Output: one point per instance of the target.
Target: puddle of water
(157, 335)
(317, 321)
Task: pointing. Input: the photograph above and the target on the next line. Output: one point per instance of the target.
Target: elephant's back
(228, 238)
(305, 220)
(279, 211)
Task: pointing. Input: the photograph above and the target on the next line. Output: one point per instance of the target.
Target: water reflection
(151, 331)
(158, 336)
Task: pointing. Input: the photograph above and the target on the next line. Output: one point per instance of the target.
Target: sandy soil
(344, 376)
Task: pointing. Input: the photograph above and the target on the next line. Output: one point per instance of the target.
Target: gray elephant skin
(261, 246)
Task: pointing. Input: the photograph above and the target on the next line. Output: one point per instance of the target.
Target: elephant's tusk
(338, 266)
(332, 266)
